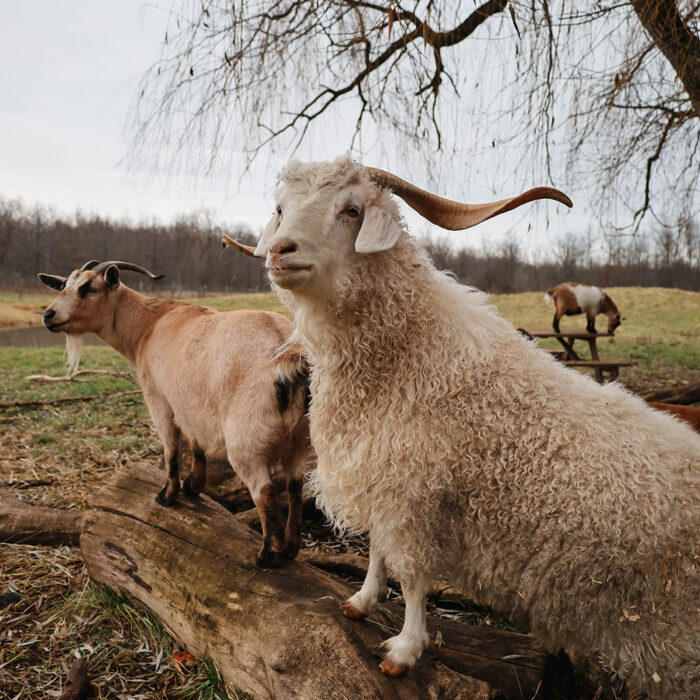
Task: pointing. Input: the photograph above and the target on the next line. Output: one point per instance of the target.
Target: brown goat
(227, 381)
(572, 298)
(690, 414)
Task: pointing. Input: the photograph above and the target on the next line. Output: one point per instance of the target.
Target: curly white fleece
(467, 452)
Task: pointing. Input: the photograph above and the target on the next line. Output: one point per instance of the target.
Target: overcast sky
(70, 71)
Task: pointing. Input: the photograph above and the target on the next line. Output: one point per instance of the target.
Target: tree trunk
(665, 25)
(278, 633)
(27, 524)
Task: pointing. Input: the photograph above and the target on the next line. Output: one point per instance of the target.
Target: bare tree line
(188, 252)
(663, 257)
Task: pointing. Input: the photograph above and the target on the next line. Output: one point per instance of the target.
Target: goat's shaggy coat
(469, 453)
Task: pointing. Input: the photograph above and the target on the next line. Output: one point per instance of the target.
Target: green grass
(73, 448)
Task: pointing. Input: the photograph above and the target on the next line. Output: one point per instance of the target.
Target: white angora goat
(467, 452)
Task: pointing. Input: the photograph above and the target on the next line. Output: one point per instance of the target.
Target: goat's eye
(352, 210)
(83, 289)
(279, 211)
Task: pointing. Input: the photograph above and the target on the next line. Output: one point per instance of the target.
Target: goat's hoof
(290, 551)
(163, 499)
(390, 668)
(351, 612)
(189, 489)
(268, 560)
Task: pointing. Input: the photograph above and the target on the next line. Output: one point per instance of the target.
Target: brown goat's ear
(53, 281)
(379, 231)
(111, 275)
(268, 233)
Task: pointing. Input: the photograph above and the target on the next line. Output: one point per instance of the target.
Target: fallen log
(26, 524)
(278, 633)
(684, 394)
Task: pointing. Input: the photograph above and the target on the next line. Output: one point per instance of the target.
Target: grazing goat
(571, 298)
(219, 378)
(467, 452)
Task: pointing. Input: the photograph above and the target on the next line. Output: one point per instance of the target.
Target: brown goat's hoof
(268, 559)
(290, 551)
(163, 499)
(189, 489)
(389, 668)
(351, 612)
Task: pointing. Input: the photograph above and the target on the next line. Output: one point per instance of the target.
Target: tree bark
(685, 394)
(278, 633)
(27, 524)
(665, 25)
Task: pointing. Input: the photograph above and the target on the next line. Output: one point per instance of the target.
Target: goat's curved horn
(452, 215)
(240, 247)
(89, 265)
(127, 266)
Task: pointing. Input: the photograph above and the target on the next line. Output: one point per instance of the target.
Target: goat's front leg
(373, 590)
(403, 650)
(196, 480)
(292, 532)
(590, 323)
(170, 435)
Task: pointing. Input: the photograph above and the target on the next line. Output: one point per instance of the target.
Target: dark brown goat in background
(572, 298)
(228, 381)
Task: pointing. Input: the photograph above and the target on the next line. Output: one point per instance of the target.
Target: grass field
(59, 454)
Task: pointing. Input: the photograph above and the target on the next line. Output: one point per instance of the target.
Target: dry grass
(61, 615)
(59, 455)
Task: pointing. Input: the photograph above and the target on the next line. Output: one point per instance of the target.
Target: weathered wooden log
(27, 524)
(684, 394)
(278, 633)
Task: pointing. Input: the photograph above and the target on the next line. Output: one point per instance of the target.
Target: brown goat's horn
(89, 265)
(127, 266)
(240, 247)
(454, 215)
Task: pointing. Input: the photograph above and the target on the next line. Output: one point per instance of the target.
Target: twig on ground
(74, 377)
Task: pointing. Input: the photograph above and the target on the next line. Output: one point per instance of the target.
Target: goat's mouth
(282, 269)
(54, 327)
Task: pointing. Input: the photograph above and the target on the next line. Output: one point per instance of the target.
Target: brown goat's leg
(197, 478)
(171, 440)
(292, 533)
(271, 521)
(590, 325)
(555, 322)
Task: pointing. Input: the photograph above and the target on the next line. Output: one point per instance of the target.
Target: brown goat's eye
(83, 289)
(352, 210)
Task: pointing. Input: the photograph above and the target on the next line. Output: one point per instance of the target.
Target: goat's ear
(111, 275)
(268, 233)
(53, 281)
(378, 232)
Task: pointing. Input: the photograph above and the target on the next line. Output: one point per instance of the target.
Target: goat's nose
(284, 245)
(49, 314)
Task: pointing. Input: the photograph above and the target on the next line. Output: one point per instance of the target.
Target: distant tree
(602, 94)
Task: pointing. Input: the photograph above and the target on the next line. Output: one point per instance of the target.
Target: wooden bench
(571, 358)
